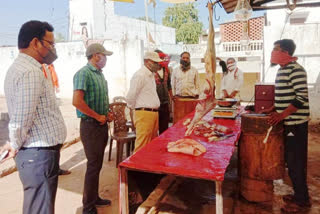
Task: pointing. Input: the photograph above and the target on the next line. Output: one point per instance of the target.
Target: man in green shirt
(90, 97)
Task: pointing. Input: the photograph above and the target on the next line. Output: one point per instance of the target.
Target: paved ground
(70, 188)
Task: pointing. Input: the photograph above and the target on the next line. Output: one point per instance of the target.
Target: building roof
(229, 5)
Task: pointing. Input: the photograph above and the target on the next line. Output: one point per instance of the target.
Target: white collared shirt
(230, 83)
(143, 90)
(185, 83)
(35, 118)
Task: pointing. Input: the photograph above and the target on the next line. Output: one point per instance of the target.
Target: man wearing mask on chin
(185, 79)
(143, 97)
(36, 128)
(90, 97)
(292, 107)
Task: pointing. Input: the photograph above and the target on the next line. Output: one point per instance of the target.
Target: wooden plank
(219, 198)
(123, 191)
(153, 200)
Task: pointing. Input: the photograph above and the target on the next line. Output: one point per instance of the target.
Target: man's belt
(147, 109)
(56, 148)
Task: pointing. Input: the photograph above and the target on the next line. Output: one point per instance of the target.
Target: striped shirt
(35, 118)
(292, 88)
(95, 88)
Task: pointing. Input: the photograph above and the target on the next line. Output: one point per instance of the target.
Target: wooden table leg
(123, 191)
(219, 198)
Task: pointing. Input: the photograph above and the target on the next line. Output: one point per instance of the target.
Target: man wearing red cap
(163, 83)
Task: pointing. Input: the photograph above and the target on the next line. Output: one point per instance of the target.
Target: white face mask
(232, 66)
(102, 62)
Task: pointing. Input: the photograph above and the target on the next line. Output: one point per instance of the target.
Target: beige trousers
(147, 125)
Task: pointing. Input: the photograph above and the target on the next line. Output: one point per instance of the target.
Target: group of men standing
(153, 87)
(37, 129)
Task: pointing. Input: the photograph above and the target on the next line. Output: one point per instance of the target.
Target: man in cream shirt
(143, 97)
(185, 78)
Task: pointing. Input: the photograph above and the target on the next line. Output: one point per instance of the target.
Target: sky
(16, 12)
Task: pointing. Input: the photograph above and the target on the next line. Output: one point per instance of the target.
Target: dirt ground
(69, 194)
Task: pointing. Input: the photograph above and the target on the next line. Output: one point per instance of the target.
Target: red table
(154, 158)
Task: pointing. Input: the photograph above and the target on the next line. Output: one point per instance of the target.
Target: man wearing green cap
(90, 97)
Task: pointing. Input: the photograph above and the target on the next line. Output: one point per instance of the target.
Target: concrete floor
(69, 194)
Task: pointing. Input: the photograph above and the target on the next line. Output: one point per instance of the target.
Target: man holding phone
(36, 128)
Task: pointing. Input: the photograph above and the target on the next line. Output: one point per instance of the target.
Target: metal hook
(215, 15)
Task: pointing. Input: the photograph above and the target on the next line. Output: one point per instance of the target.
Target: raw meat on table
(186, 146)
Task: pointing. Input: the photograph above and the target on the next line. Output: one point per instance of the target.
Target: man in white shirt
(185, 78)
(143, 97)
(232, 80)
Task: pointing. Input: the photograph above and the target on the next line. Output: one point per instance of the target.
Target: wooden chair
(123, 100)
(121, 133)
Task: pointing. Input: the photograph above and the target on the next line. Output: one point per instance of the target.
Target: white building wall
(126, 59)
(103, 23)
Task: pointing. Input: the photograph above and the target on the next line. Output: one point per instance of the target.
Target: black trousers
(164, 117)
(94, 138)
(296, 156)
(38, 170)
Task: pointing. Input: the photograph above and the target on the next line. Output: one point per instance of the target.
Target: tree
(184, 18)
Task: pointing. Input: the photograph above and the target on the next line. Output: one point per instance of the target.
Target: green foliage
(184, 18)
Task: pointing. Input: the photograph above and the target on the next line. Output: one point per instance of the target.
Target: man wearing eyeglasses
(36, 128)
(142, 96)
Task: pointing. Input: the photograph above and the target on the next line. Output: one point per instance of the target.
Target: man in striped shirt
(292, 106)
(36, 129)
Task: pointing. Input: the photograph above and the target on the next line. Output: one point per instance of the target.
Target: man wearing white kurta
(232, 80)
(185, 78)
(143, 97)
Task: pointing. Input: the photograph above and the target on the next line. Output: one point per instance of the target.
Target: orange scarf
(54, 76)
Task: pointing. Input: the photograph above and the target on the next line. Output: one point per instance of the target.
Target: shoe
(93, 210)
(64, 172)
(296, 207)
(290, 199)
(103, 202)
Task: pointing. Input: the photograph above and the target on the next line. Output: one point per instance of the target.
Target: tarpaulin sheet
(211, 165)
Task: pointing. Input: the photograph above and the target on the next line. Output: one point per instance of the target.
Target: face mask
(166, 60)
(185, 65)
(50, 57)
(154, 67)
(164, 64)
(102, 61)
(232, 67)
(281, 58)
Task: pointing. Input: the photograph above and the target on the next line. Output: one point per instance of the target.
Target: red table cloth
(211, 165)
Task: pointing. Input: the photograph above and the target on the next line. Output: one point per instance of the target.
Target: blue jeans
(38, 170)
